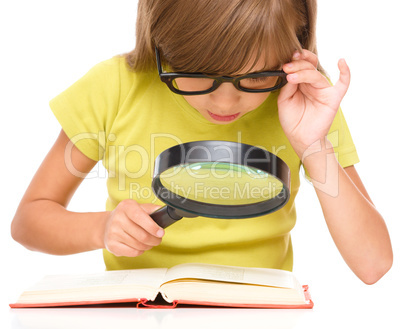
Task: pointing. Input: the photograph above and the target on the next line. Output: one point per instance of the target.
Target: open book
(193, 283)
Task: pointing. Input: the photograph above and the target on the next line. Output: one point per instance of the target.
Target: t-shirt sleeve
(87, 108)
(342, 142)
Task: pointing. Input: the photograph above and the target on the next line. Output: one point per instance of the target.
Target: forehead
(264, 62)
(227, 62)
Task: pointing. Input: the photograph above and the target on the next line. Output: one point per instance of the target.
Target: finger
(343, 83)
(120, 249)
(129, 242)
(138, 215)
(308, 56)
(138, 237)
(287, 92)
(149, 208)
(139, 241)
(299, 65)
(125, 230)
(312, 77)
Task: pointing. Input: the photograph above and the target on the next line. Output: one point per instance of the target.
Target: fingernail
(289, 65)
(160, 233)
(293, 76)
(296, 55)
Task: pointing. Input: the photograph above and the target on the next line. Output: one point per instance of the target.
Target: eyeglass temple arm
(158, 59)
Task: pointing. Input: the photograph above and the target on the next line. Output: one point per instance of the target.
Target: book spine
(146, 303)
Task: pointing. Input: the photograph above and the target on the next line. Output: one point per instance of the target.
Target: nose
(225, 97)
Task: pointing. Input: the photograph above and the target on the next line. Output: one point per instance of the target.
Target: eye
(260, 79)
(262, 82)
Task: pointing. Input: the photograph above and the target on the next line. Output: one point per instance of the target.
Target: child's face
(227, 104)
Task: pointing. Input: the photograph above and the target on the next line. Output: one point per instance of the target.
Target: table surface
(196, 318)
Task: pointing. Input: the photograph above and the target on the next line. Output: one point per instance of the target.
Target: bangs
(230, 36)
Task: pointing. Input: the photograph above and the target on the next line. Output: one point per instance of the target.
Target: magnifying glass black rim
(241, 154)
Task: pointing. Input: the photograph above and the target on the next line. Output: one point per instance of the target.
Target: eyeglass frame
(168, 77)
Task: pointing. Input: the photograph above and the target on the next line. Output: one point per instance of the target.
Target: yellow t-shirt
(126, 119)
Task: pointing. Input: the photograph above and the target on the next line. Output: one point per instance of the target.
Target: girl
(125, 111)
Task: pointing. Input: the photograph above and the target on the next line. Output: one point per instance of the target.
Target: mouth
(223, 118)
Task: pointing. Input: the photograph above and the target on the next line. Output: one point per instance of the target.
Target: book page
(152, 277)
(257, 276)
(109, 286)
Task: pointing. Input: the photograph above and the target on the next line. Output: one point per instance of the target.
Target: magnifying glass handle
(165, 216)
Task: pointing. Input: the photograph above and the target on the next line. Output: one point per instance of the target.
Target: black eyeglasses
(199, 83)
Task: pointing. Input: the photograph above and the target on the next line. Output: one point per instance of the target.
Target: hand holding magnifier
(218, 179)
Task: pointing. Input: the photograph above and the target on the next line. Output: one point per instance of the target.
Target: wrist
(316, 153)
(322, 166)
(99, 234)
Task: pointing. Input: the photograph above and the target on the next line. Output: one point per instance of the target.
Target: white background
(48, 45)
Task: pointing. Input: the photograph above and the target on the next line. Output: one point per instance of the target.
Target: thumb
(342, 84)
(287, 92)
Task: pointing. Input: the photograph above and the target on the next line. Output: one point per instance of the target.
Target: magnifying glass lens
(221, 183)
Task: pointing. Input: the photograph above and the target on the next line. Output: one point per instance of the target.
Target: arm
(42, 223)
(307, 106)
(356, 226)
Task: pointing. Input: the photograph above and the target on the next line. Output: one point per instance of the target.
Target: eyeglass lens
(188, 84)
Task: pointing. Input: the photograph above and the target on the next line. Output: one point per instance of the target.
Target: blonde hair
(221, 36)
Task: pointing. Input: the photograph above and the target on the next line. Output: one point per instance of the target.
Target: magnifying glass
(218, 179)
